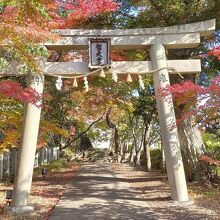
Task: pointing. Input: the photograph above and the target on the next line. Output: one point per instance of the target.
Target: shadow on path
(98, 193)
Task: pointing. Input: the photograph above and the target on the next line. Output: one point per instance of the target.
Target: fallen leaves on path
(45, 193)
(153, 187)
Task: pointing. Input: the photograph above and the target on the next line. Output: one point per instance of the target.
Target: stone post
(36, 164)
(14, 163)
(52, 153)
(40, 157)
(45, 155)
(22, 187)
(58, 153)
(1, 167)
(6, 164)
(55, 153)
(167, 120)
(49, 155)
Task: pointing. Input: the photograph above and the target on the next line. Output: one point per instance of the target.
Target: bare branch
(87, 129)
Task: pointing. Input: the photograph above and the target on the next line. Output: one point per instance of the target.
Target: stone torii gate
(173, 37)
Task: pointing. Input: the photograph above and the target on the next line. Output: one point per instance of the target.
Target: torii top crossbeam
(173, 37)
(179, 36)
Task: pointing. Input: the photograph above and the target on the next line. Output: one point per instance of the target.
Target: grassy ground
(206, 196)
(45, 192)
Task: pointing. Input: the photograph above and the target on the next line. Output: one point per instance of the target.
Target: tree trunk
(146, 148)
(116, 140)
(123, 152)
(191, 146)
(138, 157)
(163, 162)
(116, 135)
(131, 154)
(111, 144)
(148, 161)
(189, 136)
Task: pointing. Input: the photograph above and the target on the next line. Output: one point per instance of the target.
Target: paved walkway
(98, 193)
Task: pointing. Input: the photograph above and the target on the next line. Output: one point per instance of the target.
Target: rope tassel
(115, 76)
(75, 84)
(129, 79)
(59, 83)
(141, 83)
(102, 74)
(86, 84)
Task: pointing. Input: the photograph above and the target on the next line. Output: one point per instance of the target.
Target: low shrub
(156, 159)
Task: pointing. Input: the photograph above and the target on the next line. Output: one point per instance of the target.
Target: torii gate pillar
(167, 120)
(22, 186)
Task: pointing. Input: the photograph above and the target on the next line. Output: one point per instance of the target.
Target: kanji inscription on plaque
(99, 49)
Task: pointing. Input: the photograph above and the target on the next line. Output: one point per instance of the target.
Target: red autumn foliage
(80, 10)
(183, 92)
(204, 102)
(25, 22)
(215, 51)
(209, 160)
(117, 55)
(11, 89)
(196, 99)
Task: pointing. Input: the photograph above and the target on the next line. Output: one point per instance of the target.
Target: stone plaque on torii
(157, 39)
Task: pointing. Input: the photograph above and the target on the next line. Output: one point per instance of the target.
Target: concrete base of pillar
(19, 209)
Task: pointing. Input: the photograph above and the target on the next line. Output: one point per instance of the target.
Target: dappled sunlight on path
(99, 193)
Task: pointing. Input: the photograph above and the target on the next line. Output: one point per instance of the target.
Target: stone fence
(9, 161)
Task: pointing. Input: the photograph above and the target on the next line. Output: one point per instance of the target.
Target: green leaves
(3, 64)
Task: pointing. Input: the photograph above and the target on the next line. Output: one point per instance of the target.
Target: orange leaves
(48, 127)
(28, 23)
(10, 123)
(23, 25)
(11, 137)
(10, 111)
